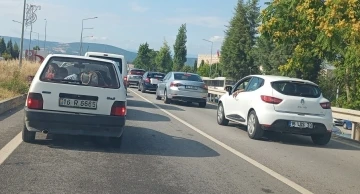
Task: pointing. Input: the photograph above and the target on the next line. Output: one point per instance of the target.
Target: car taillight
(35, 101)
(118, 108)
(325, 105)
(172, 84)
(270, 99)
(147, 80)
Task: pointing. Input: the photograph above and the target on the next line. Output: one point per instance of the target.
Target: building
(208, 59)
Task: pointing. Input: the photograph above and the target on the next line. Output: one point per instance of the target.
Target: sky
(125, 23)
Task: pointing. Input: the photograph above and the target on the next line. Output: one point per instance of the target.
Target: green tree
(204, 70)
(36, 48)
(180, 50)
(143, 59)
(163, 59)
(2, 46)
(236, 55)
(152, 55)
(202, 63)
(187, 69)
(195, 66)
(6, 56)
(9, 48)
(15, 54)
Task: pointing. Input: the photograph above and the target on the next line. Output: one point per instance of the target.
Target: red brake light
(270, 99)
(125, 78)
(147, 80)
(172, 84)
(118, 109)
(35, 101)
(325, 105)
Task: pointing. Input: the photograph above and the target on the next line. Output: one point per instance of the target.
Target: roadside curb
(340, 138)
(8, 104)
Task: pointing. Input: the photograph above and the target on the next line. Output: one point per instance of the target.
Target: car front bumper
(73, 123)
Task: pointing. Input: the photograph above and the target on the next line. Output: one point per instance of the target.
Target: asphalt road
(175, 149)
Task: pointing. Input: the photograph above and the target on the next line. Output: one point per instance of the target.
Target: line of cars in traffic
(173, 86)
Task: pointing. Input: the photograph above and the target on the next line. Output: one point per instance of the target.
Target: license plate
(75, 103)
(191, 87)
(300, 124)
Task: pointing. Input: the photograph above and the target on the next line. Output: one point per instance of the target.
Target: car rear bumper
(277, 121)
(192, 96)
(148, 86)
(74, 124)
(133, 82)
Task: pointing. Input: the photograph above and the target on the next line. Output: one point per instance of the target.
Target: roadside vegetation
(13, 80)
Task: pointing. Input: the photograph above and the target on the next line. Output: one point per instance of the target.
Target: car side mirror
(228, 89)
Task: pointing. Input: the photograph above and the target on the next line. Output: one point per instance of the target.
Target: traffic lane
(11, 124)
(295, 157)
(158, 155)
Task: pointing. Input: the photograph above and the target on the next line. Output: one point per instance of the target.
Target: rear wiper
(66, 80)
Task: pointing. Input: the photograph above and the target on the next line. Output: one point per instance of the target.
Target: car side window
(241, 85)
(145, 75)
(254, 84)
(166, 77)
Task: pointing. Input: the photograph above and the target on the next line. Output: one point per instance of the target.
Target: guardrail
(340, 113)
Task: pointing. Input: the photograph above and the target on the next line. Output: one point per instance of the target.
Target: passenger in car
(62, 73)
(237, 92)
(51, 71)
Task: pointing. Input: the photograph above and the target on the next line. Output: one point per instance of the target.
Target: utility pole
(82, 30)
(22, 36)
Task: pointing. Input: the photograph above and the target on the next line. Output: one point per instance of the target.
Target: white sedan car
(277, 103)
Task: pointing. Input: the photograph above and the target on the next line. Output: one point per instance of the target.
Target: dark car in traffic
(134, 76)
(150, 80)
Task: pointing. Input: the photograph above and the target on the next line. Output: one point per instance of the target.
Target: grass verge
(13, 80)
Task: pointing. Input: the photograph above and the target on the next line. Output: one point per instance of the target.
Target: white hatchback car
(277, 103)
(76, 95)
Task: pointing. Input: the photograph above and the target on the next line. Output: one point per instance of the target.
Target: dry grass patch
(13, 80)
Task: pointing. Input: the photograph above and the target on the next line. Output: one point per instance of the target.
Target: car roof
(155, 72)
(281, 78)
(80, 57)
(184, 72)
(103, 54)
(137, 69)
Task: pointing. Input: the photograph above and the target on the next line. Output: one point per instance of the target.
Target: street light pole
(45, 34)
(211, 54)
(82, 30)
(22, 36)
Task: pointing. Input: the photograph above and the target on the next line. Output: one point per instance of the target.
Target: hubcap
(251, 124)
(220, 113)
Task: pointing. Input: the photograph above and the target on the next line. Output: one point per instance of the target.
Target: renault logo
(302, 101)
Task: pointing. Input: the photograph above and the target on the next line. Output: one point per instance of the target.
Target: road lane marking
(10, 147)
(232, 150)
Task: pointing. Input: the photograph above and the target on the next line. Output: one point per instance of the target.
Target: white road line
(232, 150)
(10, 147)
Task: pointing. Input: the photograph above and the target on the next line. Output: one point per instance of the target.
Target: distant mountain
(74, 48)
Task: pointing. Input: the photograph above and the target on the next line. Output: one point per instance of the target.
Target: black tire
(138, 87)
(254, 129)
(28, 136)
(202, 104)
(143, 90)
(116, 142)
(221, 120)
(166, 99)
(321, 139)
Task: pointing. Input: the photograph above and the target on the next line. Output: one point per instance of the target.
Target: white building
(208, 59)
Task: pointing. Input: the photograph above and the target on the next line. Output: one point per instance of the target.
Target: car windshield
(188, 77)
(84, 72)
(300, 89)
(118, 61)
(156, 75)
(137, 72)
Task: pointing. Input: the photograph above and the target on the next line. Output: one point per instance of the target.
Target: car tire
(254, 129)
(28, 136)
(321, 139)
(157, 96)
(221, 120)
(139, 88)
(166, 99)
(143, 90)
(202, 104)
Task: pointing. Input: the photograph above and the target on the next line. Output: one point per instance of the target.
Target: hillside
(73, 48)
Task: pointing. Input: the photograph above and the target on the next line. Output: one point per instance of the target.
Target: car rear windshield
(118, 61)
(137, 72)
(188, 77)
(156, 75)
(83, 72)
(300, 89)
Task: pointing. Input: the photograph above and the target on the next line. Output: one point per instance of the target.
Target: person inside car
(51, 71)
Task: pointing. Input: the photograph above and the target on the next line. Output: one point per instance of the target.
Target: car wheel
(254, 129)
(344, 126)
(143, 90)
(202, 104)
(28, 136)
(321, 139)
(221, 115)
(157, 96)
(138, 86)
(166, 99)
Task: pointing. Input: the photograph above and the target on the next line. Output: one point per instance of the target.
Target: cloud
(137, 7)
(98, 38)
(216, 38)
(206, 21)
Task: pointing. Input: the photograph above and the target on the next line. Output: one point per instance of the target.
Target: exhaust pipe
(44, 131)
